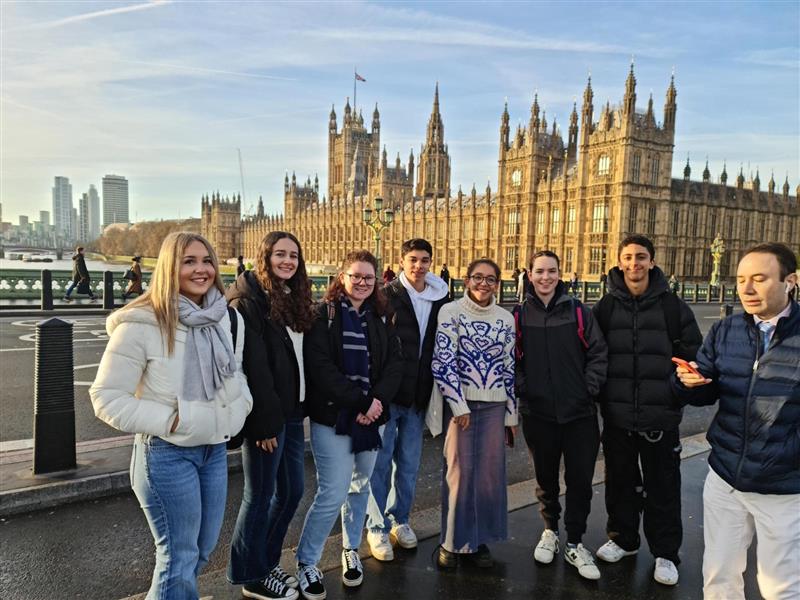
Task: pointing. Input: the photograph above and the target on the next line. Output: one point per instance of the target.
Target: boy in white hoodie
(416, 297)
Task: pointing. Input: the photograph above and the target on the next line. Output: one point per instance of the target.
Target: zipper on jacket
(635, 364)
(747, 412)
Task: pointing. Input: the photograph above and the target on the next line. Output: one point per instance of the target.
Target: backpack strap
(517, 311)
(672, 315)
(579, 318)
(234, 325)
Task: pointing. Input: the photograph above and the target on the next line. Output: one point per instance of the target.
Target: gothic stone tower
(433, 179)
(220, 224)
(352, 153)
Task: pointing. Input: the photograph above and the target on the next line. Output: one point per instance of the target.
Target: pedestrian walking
(354, 368)
(388, 275)
(415, 297)
(172, 374)
(561, 362)
(644, 326)
(240, 266)
(573, 284)
(522, 285)
(134, 277)
(444, 274)
(749, 363)
(674, 284)
(473, 368)
(80, 277)
(275, 302)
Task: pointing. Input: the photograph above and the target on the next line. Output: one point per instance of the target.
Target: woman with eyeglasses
(354, 369)
(473, 367)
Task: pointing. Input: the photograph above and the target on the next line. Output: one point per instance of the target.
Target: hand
(174, 424)
(689, 379)
(375, 410)
(268, 445)
(362, 419)
(462, 421)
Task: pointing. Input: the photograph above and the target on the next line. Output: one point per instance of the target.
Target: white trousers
(730, 519)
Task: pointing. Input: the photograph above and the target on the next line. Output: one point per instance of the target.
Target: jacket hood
(616, 284)
(130, 315)
(244, 286)
(435, 287)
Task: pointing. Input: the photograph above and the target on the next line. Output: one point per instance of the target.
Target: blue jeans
(182, 493)
(72, 286)
(342, 486)
(273, 488)
(394, 479)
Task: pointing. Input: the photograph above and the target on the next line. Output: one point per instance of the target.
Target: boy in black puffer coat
(644, 326)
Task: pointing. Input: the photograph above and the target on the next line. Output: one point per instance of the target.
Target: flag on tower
(360, 78)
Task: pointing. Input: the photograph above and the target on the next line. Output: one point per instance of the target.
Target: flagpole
(355, 70)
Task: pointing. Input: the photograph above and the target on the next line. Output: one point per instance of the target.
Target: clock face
(516, 178)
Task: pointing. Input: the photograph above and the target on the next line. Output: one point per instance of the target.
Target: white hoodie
(137, 383)
(435, 289)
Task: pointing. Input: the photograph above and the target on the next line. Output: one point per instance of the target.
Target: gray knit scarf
(208, 358)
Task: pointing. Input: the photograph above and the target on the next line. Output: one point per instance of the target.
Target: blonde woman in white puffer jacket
(171, 375)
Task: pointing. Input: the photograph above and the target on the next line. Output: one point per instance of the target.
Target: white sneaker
(352, 569)
(581, 558)
(666, 572)
(547, 547)
(404, 536)
(611, 552)
(380, 546)
(311, 586)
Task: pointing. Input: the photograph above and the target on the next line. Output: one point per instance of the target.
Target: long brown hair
(336, 289)
(296, 308)
(165, 284)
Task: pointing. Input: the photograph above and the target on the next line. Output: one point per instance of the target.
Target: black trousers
(578, 442)
(643, 475)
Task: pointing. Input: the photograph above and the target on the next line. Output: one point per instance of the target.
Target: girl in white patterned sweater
(473, 367)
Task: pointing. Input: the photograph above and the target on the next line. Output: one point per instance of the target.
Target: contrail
(91, 15)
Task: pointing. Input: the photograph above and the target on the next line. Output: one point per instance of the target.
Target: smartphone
(682, 363)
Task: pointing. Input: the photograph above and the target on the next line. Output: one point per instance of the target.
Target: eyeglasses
(357, 278)
(479, 279)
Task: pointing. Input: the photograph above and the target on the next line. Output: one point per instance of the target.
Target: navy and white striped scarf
(355, 355)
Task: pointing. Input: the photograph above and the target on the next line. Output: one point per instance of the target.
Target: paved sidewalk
(413, 574)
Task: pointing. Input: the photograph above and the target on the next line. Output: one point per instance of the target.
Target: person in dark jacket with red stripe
(751, 363)
(644, 326)
(560, 367)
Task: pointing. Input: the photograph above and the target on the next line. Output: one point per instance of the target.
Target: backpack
(671, 306)
(237, 440)
(519, 323)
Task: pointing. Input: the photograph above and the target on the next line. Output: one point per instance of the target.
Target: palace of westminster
(612, 177)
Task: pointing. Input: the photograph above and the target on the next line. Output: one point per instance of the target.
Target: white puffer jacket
(137, 383)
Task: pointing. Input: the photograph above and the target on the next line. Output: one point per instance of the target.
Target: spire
(706, 172)
(786, 185)
(670, 107)
(771, 184)
(588, 94)
(436, 99)
(347, 107)
(376, 119)
(573, 117)
(724, 175)
(687, 170)
(629, 102)
(740, 177)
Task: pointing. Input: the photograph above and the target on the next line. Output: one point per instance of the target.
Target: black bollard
(53, 398)
(108, 290)
(726, 310)
(47, 289)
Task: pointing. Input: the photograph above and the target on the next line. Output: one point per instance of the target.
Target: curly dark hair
(378, 299)
(296, 308)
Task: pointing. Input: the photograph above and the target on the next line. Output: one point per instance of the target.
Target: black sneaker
(310, 578)
(482, 558)
(352, 570)
(269, 589)
(446, 559)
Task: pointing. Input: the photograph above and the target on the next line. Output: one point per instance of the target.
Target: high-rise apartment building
(44, 217)
(115, 200)
(94, 223)
(83, 218)
(62, 208)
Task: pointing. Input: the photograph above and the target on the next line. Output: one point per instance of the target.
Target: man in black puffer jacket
(751, 363)
(644, 326)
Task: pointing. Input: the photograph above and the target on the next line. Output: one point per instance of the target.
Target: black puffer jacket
(417, 382)
(637, 395)
(558, 378)
(328, 389)
(755, 435)
(269, 362)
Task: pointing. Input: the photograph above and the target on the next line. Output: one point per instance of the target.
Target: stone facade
(612, 177)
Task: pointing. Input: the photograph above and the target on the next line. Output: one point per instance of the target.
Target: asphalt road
(17, 340)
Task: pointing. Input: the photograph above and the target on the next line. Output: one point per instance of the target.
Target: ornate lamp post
(378, 222)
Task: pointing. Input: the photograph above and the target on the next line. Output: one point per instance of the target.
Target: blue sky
(165, 92)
